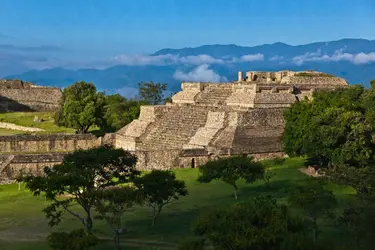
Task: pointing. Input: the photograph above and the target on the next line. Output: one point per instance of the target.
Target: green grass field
(27, 119)
(23, 225)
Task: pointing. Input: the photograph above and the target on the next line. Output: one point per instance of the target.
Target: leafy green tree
(258, 224)
(121, 111)
(315, 201)
(361, 179)
(79, 175)
(152, 93)
(230, 170)
(112, 203)
(82, 107)
(332, 129)
(74, 240)
(372, 83)
(359, 221)
(159, 188)
(268, 175)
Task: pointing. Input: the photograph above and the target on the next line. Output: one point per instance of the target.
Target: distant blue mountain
(352, 59)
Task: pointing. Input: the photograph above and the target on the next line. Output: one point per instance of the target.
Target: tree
(160, 187)
(79, 175)
(152, 93)
(112, 203)
(121, 111)
(258, 224)
(332, 128)
(314, 200)
(361, 179)
(231, 170)
(359, 220)
(372, 83)
(82, 107)
(268, 175)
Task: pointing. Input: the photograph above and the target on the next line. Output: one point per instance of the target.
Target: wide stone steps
(214, 95)
(174, 129)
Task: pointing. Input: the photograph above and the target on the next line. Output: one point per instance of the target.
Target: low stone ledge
(7, 138)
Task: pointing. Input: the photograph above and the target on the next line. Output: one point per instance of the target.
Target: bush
(74, 240)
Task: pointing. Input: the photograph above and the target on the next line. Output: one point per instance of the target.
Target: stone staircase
(174, 129)
(4, 162)
(214, 95)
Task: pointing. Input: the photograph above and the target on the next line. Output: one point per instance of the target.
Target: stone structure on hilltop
(209, 120)
(17, 95)
(203, 122)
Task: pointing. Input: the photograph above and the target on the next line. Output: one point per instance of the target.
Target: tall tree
(332, 129)
(79, 175)
(159, 188)
(112, 203)
(315, 201)
(152, 93)
(230, 170)
(260, 223)
(82, 107)
(121, 111)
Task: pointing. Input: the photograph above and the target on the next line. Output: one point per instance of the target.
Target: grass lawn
(23, 225)
(27, 119)
(4, 131)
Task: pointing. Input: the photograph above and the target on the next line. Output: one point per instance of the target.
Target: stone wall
(17, 95)
(46, 143)
(158, 159)
(30, 164)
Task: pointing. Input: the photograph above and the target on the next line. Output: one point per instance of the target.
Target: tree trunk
(88, 221)
(315, 230)
(235, 191)
(153, 216)
(117, 240)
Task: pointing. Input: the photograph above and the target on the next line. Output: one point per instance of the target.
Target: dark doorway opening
(193, 163)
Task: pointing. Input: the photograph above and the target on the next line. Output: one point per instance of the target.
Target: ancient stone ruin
(203, 122)
(210, 120)
(17, 95)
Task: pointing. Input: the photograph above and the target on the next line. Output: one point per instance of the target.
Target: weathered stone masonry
(210, 120)
(204, 121)
(16, 95)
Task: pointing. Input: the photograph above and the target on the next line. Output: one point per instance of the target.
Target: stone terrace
(211, 119)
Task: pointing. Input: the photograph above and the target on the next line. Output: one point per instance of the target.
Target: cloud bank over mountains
(353, 59)
(338, 55)
(201, 73)
(170, 59)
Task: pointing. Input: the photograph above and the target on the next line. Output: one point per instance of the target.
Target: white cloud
(276, 58)
(169, 59)
(360, 58)
(201, 73)
(247, 58)
(134, 60)
(200, 59)
(250, 58)
(127, 92)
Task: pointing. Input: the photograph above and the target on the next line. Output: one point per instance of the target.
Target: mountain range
(352, 59)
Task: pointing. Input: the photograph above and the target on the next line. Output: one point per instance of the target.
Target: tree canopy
(81, 173)
(160, 187)
(152, 93)
(121, 111)
(260, 223)
(82, 107)
(230, 170)
(335, 128)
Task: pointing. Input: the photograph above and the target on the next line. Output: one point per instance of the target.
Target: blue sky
(111, 27)
(40, 34)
